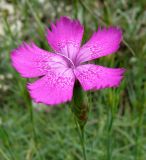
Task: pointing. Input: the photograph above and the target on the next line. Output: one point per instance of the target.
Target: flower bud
(80, 105)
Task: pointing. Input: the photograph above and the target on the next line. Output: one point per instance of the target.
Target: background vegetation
(116, 129)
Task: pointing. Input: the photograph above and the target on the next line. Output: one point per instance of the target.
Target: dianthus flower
(58, 71)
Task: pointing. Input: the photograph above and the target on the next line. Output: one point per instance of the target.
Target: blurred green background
(116, 129)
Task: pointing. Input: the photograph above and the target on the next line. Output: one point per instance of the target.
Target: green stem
(129, 47)
(32, 121)
(83, 143)
(109, 134)
(80, 131)
(75, 11)
(4, 155)
(80, 111)
(33, 129)
(138, 137)
(38, 21)
(9, 146)
(8, 28)
(36, 17)
(8, 31)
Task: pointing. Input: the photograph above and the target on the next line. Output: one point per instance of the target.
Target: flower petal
(65, 37)
(102, 43)
(31, 61)
(98, 77)
(54, 88)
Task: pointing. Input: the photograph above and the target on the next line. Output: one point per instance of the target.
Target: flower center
(70, 63)
(68, 60)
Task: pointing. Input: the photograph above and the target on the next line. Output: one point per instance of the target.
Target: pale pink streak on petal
(31, 61)
(54, 88)
(65, 37)
(98, 77)
(102, 43)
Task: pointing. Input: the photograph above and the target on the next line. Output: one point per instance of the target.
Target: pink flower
(58, 71)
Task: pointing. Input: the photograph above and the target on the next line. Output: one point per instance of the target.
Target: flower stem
(138, 148)
(34, 134)
(109, 136)
(81, 134)
(80, 111)
(83, 143)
